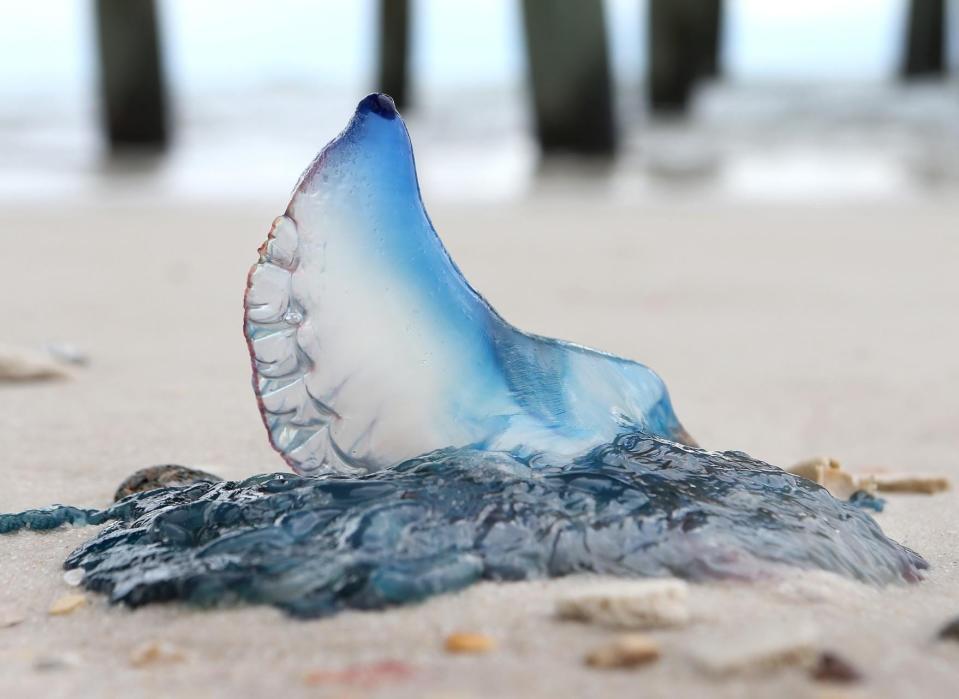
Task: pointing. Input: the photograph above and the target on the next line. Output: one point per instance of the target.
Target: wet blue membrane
(639, 506)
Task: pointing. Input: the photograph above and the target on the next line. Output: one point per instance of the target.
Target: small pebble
(630, 650)
(465, 642)
(68, 353)
(753, 650)
(155, 652)
(950, 632)
(74, 577)
(53, 662)
(67, 604)
(833, 668)
(634, 604)
(162, 476)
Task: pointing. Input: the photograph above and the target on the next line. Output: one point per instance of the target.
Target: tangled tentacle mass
(639, 506)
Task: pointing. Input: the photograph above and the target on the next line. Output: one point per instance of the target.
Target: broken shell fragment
(629, 650)
(465, 642)
(927, 484)
(20, 365)
(634, 604)
(155, 652)
(830, 474)
(67, 604)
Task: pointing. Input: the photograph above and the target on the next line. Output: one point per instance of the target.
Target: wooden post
(684, 45)
(710, 32)
(131, 76)
(569, 71)
(394, 48)
(925, 49)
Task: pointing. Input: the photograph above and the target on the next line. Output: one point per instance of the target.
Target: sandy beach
(783, 330)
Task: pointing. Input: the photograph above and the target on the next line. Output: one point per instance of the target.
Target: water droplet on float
(293, 317)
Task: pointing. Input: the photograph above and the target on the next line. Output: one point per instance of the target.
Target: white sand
(784, 331)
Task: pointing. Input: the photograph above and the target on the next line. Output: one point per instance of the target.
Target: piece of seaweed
(639, 506)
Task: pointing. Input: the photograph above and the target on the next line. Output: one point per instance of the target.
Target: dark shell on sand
(165, 475)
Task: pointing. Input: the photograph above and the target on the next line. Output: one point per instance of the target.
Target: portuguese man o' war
(436, 445)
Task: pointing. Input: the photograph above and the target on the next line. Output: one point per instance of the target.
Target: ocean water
(638, 506)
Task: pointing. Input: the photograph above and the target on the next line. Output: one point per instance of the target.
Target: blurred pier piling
(569, 74)
(684, 46)
(133, 91)
(567, 48)
(926, 48)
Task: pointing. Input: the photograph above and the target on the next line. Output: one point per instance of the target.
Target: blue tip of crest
(379, 104)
